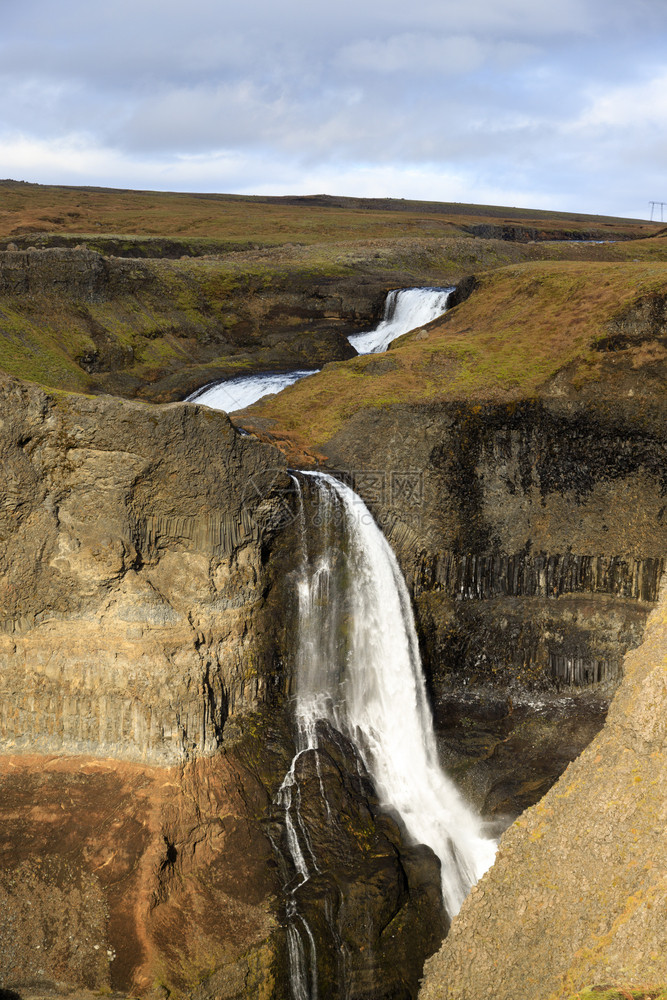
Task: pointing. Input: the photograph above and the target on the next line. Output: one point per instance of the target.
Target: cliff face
(577, 893)
(138, 636)
(132, 576)
(146, 646)
(514, 453)
(533, 536)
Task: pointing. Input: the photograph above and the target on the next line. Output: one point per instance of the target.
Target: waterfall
(404, 309)
(358, 669)
(236, 393)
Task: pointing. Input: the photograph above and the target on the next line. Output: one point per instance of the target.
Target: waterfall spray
(358, 669)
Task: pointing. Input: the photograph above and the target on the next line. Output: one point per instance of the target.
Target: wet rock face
(135, 603)
(505, 753)
(533, 538)
(372, 903)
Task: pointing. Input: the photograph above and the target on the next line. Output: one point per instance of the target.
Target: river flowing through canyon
(358, 672)
(405, 309)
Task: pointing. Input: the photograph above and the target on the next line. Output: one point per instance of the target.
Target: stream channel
(405, 309)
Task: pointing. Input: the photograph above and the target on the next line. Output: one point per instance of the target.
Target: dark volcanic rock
(372, 901)
(533, 537)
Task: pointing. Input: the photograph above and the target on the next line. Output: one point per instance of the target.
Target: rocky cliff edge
(132, 578)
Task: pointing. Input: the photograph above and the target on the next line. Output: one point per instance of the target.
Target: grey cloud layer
(526, 95)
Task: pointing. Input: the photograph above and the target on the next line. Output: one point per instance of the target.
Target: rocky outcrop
(372, 902)
(528, 234)
(133, 585)
(577, 893)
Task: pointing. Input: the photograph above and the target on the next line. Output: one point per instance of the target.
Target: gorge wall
(533, 539)
(146, 647)
(533, 535)
(577, 894)
(530, 523)
(136, 638)
(158, 329)
(132, 578)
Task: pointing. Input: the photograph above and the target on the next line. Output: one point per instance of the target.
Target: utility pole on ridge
(654, 204)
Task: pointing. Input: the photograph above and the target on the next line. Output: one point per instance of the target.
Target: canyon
(512, 451)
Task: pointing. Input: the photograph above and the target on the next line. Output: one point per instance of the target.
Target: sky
(551, 104)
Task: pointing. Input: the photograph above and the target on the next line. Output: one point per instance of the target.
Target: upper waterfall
(405, 309)
(358, 667)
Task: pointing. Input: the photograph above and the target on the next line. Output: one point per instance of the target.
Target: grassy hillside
(35, 208)
(248, 278)
(521, 325)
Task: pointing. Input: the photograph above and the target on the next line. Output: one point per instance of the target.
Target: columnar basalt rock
(132, 576)
(533, 536)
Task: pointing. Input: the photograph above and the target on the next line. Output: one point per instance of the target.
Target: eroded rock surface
(133, 589)
(577, 894)
(147, 627)
(136, 877)
(533, 538)
(372, 901)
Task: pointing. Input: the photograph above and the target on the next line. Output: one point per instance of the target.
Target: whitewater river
(405, 309)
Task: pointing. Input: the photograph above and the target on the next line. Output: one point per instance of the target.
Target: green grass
(522, 325)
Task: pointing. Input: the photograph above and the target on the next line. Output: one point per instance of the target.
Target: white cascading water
(237, 393)
(405, 309)
(358, 668)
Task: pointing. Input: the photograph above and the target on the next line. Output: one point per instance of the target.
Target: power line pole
(654, 205)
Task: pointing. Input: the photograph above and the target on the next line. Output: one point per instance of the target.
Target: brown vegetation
(521, 326)
(36, 208)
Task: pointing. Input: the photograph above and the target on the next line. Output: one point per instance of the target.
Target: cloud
(415, 53)
(503, 99)
(641, 104)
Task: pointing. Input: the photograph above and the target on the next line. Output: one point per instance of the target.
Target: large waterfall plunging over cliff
(358, 669)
